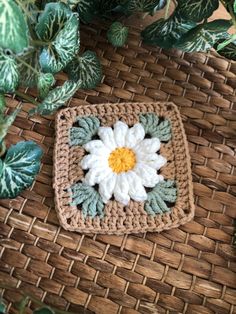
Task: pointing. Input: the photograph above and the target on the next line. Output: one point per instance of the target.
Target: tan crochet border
(119, 219)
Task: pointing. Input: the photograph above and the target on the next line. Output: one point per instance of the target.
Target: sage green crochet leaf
(155, 128)
(164, 191)
(88, 127)
(89, 198)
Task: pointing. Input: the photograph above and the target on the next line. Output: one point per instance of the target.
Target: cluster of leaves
(187, 28)
(38, 38)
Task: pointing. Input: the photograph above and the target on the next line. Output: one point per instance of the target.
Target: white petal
(96, 175)
(94, 161)
(134, 135)
(120, 130)
(96, 147)
(147, 174)
(107, 136)
(152, 160)
(121, 191)
(148, 146)
(106, 187)
(136, 190)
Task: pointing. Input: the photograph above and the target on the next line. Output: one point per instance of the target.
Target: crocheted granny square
(122, 168)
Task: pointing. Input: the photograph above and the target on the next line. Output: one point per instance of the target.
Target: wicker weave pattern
(190, 269)
(134, 218)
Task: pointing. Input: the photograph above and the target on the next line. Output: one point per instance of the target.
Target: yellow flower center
(122, 159)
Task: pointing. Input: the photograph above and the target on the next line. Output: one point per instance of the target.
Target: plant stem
(167, 9)
(26, 97)
(39, 43)
(26, 64)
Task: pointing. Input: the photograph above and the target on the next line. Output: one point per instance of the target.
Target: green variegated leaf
(71, 3)
(235, 6)
(28, 77)
(197, 10)
(87, 128)
(150, 6)
(9, 75)
(59, 27)
(87, 10)
(117, 34)
(203, 36)
(158, 198)
(20, 166)
(45, 82)
(56, 98)
(229, 51)
(3, 307)
(6, 122)
(13, 27)
(52, 20)
(2, 104)
(44, 310)
(89, 198)
(87, 69)
(165, 33)
(106, 7)
(155, 127)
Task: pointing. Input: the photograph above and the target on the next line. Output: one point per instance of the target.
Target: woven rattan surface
(190, 269)
(120, 219)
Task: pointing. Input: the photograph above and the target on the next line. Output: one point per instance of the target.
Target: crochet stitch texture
(122, 168)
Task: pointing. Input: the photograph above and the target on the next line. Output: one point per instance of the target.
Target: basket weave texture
(120, 219)
(189, 269)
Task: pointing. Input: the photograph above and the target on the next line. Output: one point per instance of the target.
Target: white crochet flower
(122, 163)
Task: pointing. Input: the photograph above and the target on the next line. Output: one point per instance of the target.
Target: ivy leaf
(229, 51)
(117, 34)
(88, 127)
(149, 6)
(163, 193)
(58, 26)
(197, 10)
(106, 7)
(87, 69)
(6, 122)
(56, 98)
(203, 36)
(156, 128)
(2, 103)
(45, 82)
(28, 77)
(9, 75)
(13, 27)
(87, 10)
(20, 166)
(165, 33)
(224, 42)
(3, 306)
(90, 199)
(44, 310)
